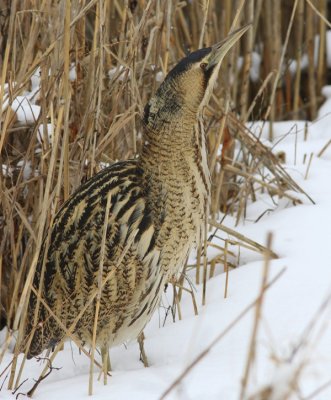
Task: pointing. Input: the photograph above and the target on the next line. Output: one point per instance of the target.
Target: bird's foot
(143, 356)
(105, 362)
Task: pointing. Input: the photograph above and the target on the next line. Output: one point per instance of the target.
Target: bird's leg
(143, 356)
(105, 362)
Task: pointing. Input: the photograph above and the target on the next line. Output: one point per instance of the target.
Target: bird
(128, 230)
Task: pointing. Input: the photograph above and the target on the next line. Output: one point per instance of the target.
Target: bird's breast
(178, 198)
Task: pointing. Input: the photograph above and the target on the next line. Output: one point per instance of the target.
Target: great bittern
(135, 221)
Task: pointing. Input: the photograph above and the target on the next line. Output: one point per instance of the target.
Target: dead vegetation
(90, 66)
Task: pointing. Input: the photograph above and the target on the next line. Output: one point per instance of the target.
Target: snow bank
(302, 237)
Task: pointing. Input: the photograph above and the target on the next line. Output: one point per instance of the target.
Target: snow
(328, 48)
(72, 72)
(287, 351)
(121, 72)
(292, 64)
(254, 71)
(24, 106)
(41, 133)
(25, 110)
(27, 170)
(8, 172)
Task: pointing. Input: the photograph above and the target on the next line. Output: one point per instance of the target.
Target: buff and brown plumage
(151, 212)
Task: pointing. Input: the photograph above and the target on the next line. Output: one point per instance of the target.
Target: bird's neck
(170, 145)
(177, 184)
(176, 152)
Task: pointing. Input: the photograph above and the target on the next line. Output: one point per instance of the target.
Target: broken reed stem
(226, 268)
(212, 268)
(180, 285)
(262, 249)
(271, 188)
(257, 318)
(77, 109)
(324, 148)
(309, 164)
(197, 270)
(205, 262)
(219, 337)
(177, 302)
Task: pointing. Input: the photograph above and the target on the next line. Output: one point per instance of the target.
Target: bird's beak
(220, 49)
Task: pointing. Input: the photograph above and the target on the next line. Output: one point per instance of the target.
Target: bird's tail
(41, 335)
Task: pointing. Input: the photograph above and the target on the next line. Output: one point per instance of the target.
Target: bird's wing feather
(76, 234)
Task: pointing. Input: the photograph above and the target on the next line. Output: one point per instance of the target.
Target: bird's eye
(203, 66)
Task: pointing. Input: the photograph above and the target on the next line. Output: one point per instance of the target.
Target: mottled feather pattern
(73, 254)
(157, 207)
(140, 201)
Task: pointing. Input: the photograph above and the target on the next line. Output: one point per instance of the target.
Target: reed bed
(87, 67)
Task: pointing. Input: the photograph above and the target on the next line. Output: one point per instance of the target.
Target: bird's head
(188, 85)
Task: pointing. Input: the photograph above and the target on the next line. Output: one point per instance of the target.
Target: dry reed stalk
(69, 331)
(319, 390)
(321, 63)
(67, 97)
(204, 21)
(320, 14)
(212, 268)
(272, 189)
(205, 261)
(280, 56)
(98, 299)
(324, 148)
(247, 63)
(220, 336)
(299, 359)
(311, 63)
(261, 154)
(259, 93)
(4, 68)
(260, 248)
(197, 271)
(23, 301)
(309, 164)
(190, 291)
(176, 302)
(228, 177)
(219, 138)
(220, 248)
(226, 269)
(257, 318)
(299, 51)
(95, 116)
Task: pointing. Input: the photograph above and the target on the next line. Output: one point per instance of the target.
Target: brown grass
(119, 49)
